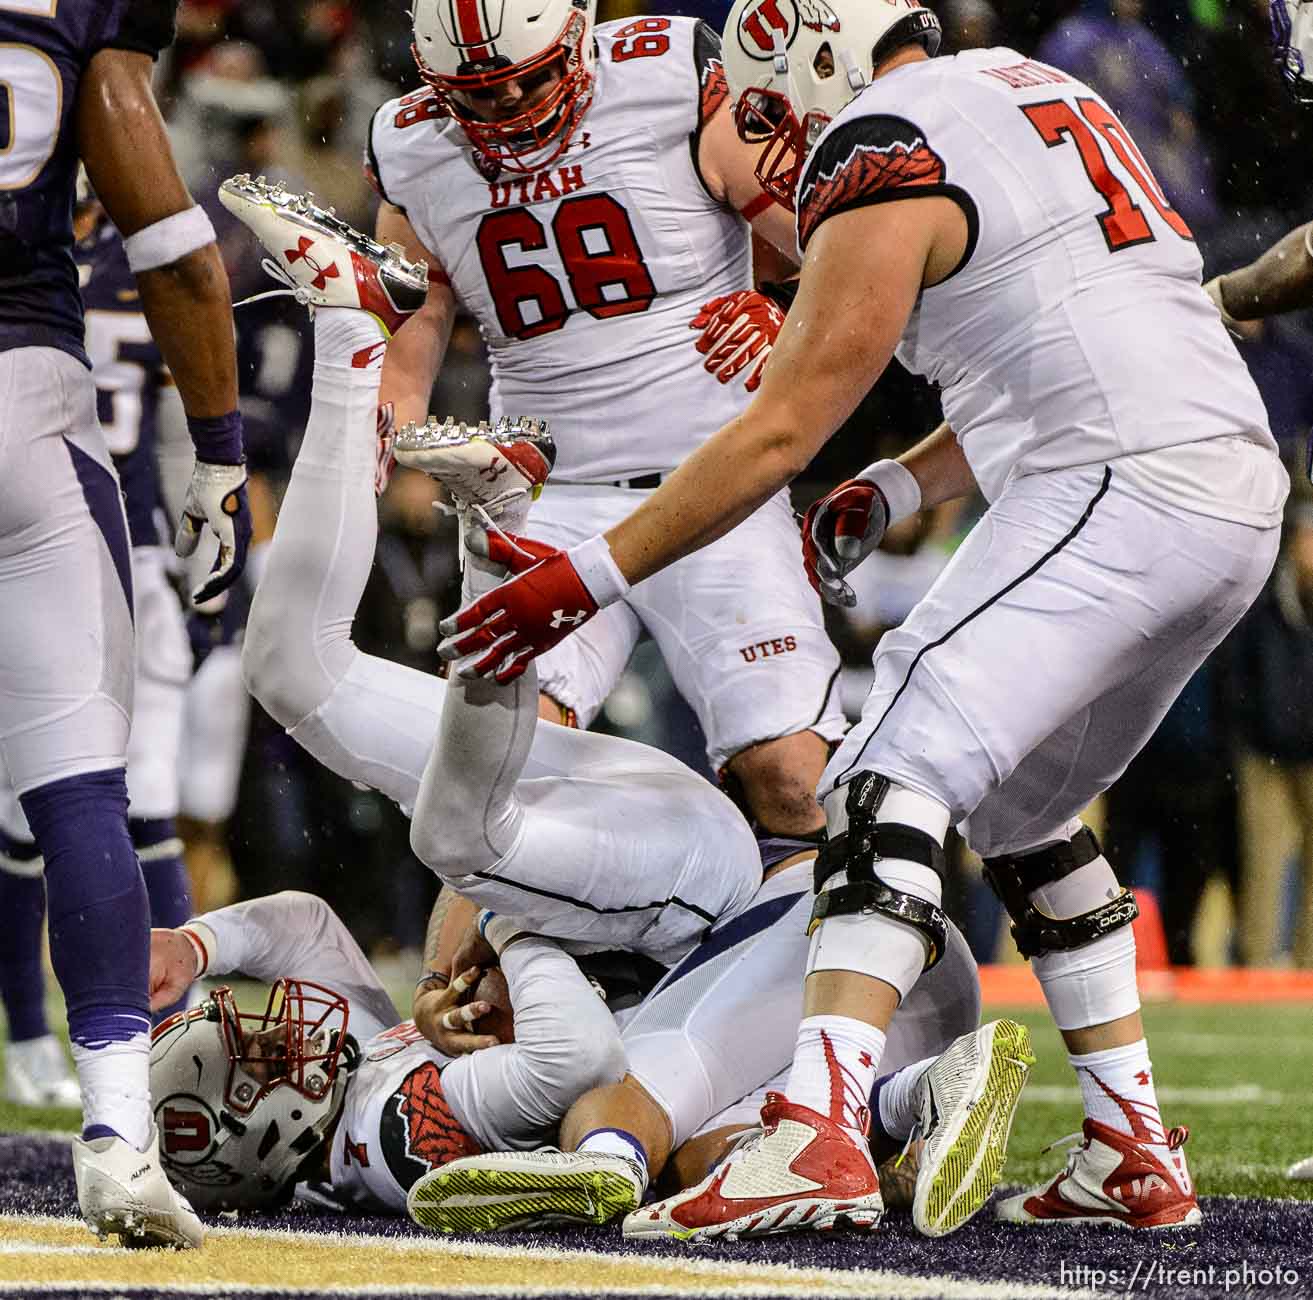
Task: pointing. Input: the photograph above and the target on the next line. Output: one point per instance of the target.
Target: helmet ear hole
(823, 63)
(268, 1142)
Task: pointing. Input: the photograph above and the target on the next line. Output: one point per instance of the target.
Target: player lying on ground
(580, 836)
(326, 1085)
(990, 220)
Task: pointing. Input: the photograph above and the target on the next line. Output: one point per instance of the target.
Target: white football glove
(216, 496)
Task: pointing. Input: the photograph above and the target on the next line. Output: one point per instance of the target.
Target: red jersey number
(1123, 223)
(598, 249)
(644, 39)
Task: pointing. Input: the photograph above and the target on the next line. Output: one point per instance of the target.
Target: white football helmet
(244, 1101)
(1292, 40)
(468, 49)
(792, 65)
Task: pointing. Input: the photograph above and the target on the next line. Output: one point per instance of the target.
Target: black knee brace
(856, 852)
(1014, 879)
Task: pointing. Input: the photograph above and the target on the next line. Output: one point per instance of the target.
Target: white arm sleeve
(566, 1042)
(298, 936)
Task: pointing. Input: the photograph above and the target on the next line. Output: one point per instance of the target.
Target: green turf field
(1240, 1077)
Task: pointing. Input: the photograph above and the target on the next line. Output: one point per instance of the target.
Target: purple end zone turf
(36, 1178)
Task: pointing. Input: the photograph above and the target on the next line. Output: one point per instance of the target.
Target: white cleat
(324, 261)
(969, 1097)
(1301, 1170)
(122, 1192)
(480, 465)
(37, 1073)
(799, 1173)
(526, 1189)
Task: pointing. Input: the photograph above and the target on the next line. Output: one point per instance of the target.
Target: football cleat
(1113, 1179)
(969, 1097)
(324, 261)
(800, 1173)
(37, 1073)
(1301, 1170)
(526, 1189)
(481, 465)
(122, 1192)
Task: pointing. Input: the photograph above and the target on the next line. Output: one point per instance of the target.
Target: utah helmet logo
(760, 22)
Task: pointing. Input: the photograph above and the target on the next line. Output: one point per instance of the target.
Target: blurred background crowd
(1215, 816)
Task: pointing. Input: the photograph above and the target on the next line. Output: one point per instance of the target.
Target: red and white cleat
(480, 465)
(1113, 1179)
(801, 1173)
(324, 261)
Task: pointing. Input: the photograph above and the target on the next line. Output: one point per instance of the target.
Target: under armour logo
(1138, 1189)
(560, 618)
(493, 470)
(864, 1059)
(363, 358)
(323, 274)
(1142, 1078)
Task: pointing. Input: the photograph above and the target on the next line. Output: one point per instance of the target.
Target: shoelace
(294, 290)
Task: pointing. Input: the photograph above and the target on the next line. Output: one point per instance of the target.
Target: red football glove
(838, 533)
(738, 330)
(542, 604)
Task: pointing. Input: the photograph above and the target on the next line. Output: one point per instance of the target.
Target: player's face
(515, 95)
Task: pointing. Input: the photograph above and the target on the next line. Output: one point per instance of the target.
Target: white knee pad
(872, 941)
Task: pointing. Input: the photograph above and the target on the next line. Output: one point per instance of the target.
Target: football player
(988, 218)
(580, 190)
(579, 835)
(76, 81)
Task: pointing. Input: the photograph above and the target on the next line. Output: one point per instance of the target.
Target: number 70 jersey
(1074, 331)
(584, 277)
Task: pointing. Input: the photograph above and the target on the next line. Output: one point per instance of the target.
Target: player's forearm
(188, 307)
(1280, 280)
(715, 489)
(940, 468)
(411, 365)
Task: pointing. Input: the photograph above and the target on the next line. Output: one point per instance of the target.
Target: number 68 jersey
(584, 277)
(1074, 330)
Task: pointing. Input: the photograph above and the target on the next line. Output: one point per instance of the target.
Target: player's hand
(216, 497)
(446, 1017)
(542, 603)
(172, 967)
(738, 331)
(838, 533)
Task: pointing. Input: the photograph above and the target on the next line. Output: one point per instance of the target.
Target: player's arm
(1281, 279)
(566, 1042)
(184, 289)
(861, 277)
(290, 934)
(415, 354)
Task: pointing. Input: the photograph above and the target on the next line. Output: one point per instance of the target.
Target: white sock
(834, 1068)
(1116, 1086)
(347, 337)
(898, 1100)
(616, 1142)
(115, 1082)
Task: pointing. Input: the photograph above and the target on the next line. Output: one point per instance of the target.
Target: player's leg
(65, 699)
(644, 823)
(743, 635)
(37, 1073)
(163, 665)
(652, 876)
(1072, 918)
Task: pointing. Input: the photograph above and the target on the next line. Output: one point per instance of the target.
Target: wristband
(898, 486)
(217, 439)
(169, 240)
(203, 943)
(430, 977)
(498, 930)
(598, 571)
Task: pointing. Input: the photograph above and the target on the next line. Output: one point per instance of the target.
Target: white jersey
(1074, 331)
(584, 277)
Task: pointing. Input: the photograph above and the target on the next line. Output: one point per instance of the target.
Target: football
(492, 988)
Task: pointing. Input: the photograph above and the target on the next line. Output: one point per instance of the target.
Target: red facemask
(766, 115)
